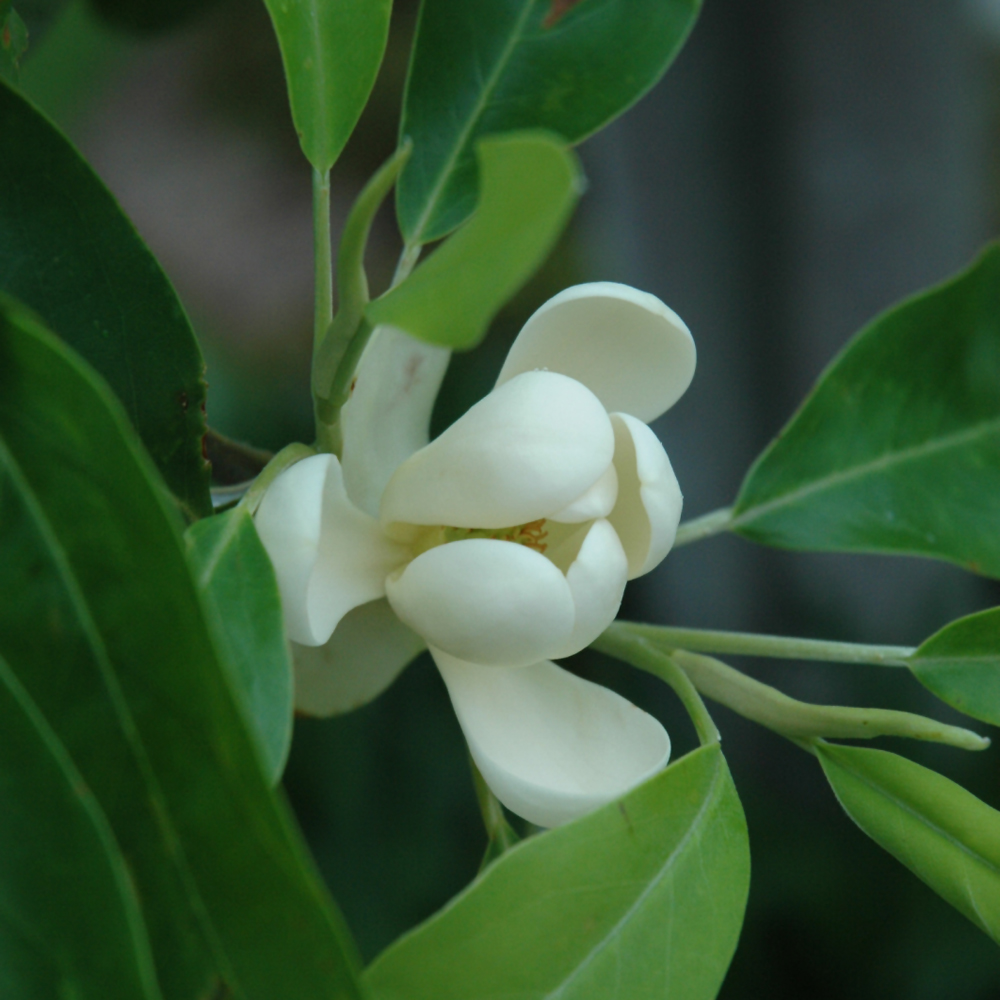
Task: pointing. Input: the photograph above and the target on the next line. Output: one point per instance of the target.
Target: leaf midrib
(463, 136)
(84, 799)
(881, 463)
(321, 71)
(123, 713)
(708, 801)
(214, 556)
(957, 660)
(920, 817)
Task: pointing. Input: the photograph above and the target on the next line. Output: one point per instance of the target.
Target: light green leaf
(68, 252)
(332, 50)
(101, 623)
(643, 898)
(941, 832)
(530, 185)
(241, 597)
(480, 69)
(59, 867)
(961, 665)
(897, 449)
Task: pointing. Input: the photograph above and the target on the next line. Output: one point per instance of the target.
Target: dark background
(803, 165)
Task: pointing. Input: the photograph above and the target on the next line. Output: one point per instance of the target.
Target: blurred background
(802, 166)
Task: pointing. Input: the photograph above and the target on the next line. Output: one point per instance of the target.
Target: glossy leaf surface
(332, 50)
(480, 69)
(530, 184)
(941, 832)
(59, 866)
(68, 251)
(102, 625)
(897, 449)
(643, 898)
(240, 594)
(961, 665)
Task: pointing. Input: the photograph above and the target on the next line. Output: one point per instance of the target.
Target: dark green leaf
(961, 665)
(59, 867)
(643, 898)
(67, 251)
(13, 41)
(897, 449)
(941, 832)
(332, 50)
(240, 594)
(479, 69)
(101, 622)
(530, 184)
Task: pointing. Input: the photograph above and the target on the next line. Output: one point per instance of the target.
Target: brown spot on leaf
(6, 36)
(557, 11)
(626, 817)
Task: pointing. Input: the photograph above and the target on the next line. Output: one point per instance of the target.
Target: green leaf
(148, 16)
(897, 449)
(68, 252)
(941, 832)
(530, 185)
(59, 867)
(961, 665)
(480, 69)
(332, 50)
(241, 597)
(13, 41)
(101, 622)
(643, 898)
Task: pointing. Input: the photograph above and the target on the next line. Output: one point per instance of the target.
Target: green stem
(323, 255)
(285, 458)
(802, 721)
(704, 527)
(640, 653)
(501, 835)
(329, 433)
(780, 647)
(352, 282)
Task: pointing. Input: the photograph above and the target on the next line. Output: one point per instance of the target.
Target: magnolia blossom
(501, 545)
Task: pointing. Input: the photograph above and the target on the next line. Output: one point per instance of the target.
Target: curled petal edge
(632, 351)
(648, 509)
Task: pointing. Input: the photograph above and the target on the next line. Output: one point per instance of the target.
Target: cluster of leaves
(145, 688)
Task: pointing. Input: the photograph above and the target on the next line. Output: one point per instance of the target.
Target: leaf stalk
(801, 722)
(704, 527)
(776, 646)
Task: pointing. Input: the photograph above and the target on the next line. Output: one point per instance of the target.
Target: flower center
(533, 535)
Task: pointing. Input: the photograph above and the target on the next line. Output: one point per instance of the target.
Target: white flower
(502, 544)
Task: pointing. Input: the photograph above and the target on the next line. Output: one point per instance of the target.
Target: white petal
(596, 580)
(598, 501)
(490, 601)
(328, 556)
(633, 352)
(551, 745)
(649, 498)
(367, 651)
(388, 415)
(529, 448)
